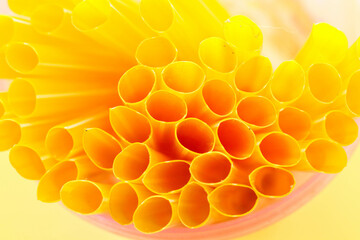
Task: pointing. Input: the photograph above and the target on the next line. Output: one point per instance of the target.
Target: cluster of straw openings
(198, 129)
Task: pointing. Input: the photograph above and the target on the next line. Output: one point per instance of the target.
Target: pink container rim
(234, 228)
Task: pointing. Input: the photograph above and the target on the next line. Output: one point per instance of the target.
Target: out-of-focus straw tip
(26, 162)
(158, 15)
(10, 132)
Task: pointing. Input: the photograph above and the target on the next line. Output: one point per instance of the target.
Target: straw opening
(22, 97)
(26, 162)
(183, 76)
(156, 52)
(167, 177)
(219, 97)
(258, 111)
(153, 215)
(233, 200)
(136, 84)
(289, 75)
(166, 107)
(326, 156)
(237, 139)
(341, 127)
(295, 122)
(89, 15)
(59, 142)
(21, 57)
(217, 54)
(47, 18)
(158, 15)
(272, 182)
(123, 202)
(280, 149)
(132, 162)
(324, 82)
(81, 196)
(129, 124)
(195, 135)
(101, 147)
(10, 134)
(211, 168)
(194, 207)
(254, 74)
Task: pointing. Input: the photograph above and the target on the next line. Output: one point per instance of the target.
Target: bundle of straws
(164, 113)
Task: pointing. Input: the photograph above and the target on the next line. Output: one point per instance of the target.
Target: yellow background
(332, 215)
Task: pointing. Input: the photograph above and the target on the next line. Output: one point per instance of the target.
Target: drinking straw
(25, 7)
(10, 131)
(272, 182)
(337, 126)
(257, 112)
(193, 137)
(295, 122)
(85, 197)
(214, 169)
(245, 35)
(65, 139)
(163, 106)
(164, 110)
(54, 20)
(323, 87)
(130, 125)
(195, 21)
(53, 180)
(326, 44)
(136, 85)
(124, 199)
(97, 18)
(130, 9)
(208, 15)
(215, 101)
(26, 162)
(2, 108)
(352, 94)
(253, 75)
(167, 177)
(20, 30)
(100, 147)
(276, 149)
(6, 72)
(158, 15)
(87, 170)
(33, 131)
(156, 52)
(169, 23)
(155, 214)
(351, 63)
(134, 160)
(41, 59)
(194, 209)
(218, 56)
(235, 138)
(288, 75)
(183, 78)
(41, 97)
(323, 155)
(233, 200)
